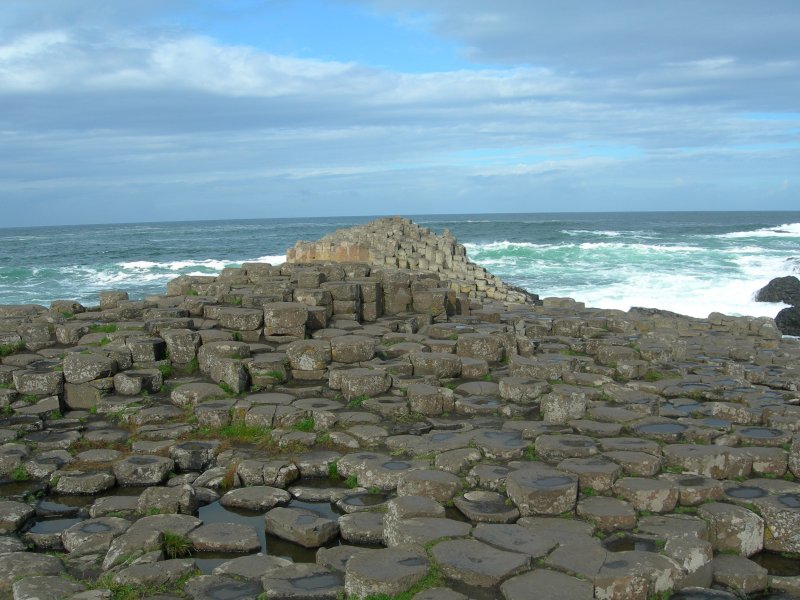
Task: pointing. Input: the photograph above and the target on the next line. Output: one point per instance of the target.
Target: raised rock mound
(401, 243)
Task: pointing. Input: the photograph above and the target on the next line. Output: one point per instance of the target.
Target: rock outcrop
(781, 289)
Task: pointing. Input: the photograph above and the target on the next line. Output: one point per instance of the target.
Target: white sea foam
(788, 230)
(574, 232)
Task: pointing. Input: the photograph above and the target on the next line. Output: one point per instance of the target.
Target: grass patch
(238, 432)
(110, 328)
(192, 293)
(487, 377)
(226, 388)
(351, 481)
(393, 341)
(356, 402)
(166, 371)
(306, 424)
(176, 545)
(279, 375)
(7, 349)
(193, 366)
(530, 453)
(20, 473)
(333, 470)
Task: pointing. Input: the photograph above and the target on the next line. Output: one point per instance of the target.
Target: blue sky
(152, 110)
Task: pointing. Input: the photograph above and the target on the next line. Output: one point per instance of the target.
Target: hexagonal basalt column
(540, 490)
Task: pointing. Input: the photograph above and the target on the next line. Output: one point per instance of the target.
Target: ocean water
(691, 263)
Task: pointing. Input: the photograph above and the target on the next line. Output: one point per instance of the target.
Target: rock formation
(447, 436)
(787, 291)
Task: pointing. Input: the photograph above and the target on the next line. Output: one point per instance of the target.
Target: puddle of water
(665, 428)
(551, 482)
(627, 543)
(396, 465)
(19, 490)
(778, 564)
(364, 499)
(745, 493)
(761, 432)
(54, 525)
(316, 582)
(790, 500)
(323, 509)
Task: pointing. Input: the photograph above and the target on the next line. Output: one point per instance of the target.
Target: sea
(693, 263)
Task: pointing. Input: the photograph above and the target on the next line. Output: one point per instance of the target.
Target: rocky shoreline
(381, 417)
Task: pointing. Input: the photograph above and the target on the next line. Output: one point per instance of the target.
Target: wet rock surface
(329, 427)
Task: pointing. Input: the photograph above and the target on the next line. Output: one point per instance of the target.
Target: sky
(158, 110)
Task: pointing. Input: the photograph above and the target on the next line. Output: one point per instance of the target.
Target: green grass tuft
(176, 545)
(110, 328)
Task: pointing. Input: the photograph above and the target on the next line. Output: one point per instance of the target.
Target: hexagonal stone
(225, 537)
(389, 571)
(93, 535)
(362, 527)
(555, 448)
(178, 499)
(477, 564)
(648, 494)
(541, 490)
(303, 580)
(549, 585)
(142, 470)
(515, 538)
(179, 524)
(351, 349)
(481, 506)
(364, 382)
(708, 461)
(46, 587)
(82, 483)
(640, 464)
(15, 566)
(13, 515)
(740, 574)
(733, 528)
(300, 526)
(438, 364)
(82, 368)
(216, 587)
(596, 472)
(256, 498)
(695, 489)
(421, 530)
(437, 485)
(309, 355)
(164, 573)
(608, 514)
